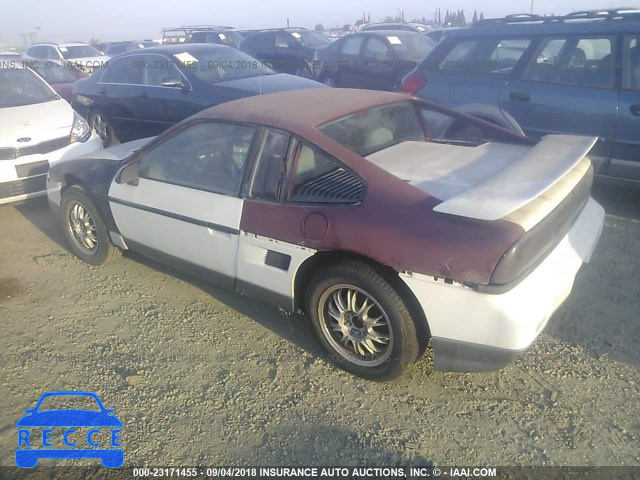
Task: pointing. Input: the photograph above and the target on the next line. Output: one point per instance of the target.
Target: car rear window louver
(338, 186)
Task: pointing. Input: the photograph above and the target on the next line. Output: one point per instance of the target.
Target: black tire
(86, 237)
(100, 124)
(403, 347)
(328, 80)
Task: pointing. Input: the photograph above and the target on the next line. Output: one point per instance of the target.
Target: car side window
(631, 63)
(159, 71)
(284, 40)
(127, 70)
(574, 61)
(352, 45)
(318, 178)
(270, 168)
(52, 53)
(488, 55)
(376, 50)
(208, 156)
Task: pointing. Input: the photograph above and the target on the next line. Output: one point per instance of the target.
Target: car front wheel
(362, 321)
(84, 230)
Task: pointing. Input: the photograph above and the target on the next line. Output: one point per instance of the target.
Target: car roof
(179, 48)
(493, 27)
(300, 110)
(386, 33)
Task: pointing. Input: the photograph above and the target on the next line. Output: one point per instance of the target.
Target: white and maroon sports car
(353, 207)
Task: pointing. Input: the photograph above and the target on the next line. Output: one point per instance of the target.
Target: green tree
(475, 17)
(319, 28)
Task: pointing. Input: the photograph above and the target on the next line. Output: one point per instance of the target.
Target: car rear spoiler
(522, 181)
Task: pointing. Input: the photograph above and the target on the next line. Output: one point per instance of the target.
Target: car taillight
(413, 82)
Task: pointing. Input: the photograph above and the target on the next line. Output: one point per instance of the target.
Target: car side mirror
(129, 174)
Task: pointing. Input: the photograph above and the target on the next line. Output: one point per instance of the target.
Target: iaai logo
(69, 433)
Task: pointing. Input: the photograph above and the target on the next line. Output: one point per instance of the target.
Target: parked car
(375, 60)
(60, 78)
(286, 50)
(37, 129)
(575, 74)
(352, 207)
(80, 55)
(219, 36)
(402, 26)
(116, 48)
(140, 94)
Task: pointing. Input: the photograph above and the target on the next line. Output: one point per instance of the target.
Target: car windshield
(79, 51)
(374, 129)
(66, 402)
(310, 38)
(221, 65)
(53, 73)
(19, 87)
(413, 47)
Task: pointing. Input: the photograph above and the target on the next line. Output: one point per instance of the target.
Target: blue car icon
(70, 419)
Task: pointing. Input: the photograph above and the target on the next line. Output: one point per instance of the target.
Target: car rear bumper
(474, 331)
(25, 177)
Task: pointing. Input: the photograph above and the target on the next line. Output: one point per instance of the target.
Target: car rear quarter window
(496, 56)
(574, 61)
(318, 178)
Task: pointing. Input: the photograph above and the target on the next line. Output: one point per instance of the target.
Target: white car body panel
(510, 320)
(192, 225)
(253, 269)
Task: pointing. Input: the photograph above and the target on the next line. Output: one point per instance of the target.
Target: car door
(167, 95)
(626, 155)
(185, 207)
(473, 71)
(568, 87)
(378, 72)
(119, 96)
(262, 46)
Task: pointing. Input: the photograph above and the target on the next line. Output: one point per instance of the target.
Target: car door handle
(635, 110)
(102, 91)
(520, 97)
(143, 95)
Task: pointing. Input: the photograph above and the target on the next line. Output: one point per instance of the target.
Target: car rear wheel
(329, 81)
(362, 321)
(84, 230)
(101, 125)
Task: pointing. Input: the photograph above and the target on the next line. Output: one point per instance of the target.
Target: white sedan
(37, 129)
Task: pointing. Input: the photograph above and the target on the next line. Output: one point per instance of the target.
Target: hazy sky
(61, 20)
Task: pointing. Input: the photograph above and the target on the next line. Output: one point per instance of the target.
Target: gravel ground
(199, 375)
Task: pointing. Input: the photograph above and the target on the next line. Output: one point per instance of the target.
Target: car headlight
(80, 131)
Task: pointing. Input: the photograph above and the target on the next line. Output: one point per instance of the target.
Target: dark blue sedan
(141, 93)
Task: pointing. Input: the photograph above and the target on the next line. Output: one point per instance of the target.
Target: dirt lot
(202, 376)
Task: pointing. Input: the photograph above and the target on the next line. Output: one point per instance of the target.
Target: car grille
(23, 187)
(44, 147)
